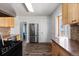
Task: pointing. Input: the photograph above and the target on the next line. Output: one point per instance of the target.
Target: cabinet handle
(73, 20)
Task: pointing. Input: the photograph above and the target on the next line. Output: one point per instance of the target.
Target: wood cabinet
(55, 49)
(64, 53)
(58, 51)
(65, 13)
(73, 13)
(6, 21)
(70, 13)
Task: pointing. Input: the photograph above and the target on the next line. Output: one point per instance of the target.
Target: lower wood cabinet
(59, 51)
(55, 49)
(64, 53)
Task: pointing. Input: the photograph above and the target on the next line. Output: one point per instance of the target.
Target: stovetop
(9, 45)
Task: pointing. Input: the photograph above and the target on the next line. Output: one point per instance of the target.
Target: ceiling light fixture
(29, 6)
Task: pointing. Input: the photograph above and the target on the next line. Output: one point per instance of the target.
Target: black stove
(7, 46)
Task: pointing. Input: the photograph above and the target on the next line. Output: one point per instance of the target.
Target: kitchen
(10, 44)
(60, 29)
(67, 45)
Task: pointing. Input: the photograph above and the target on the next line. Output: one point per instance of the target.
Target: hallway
(37, 49)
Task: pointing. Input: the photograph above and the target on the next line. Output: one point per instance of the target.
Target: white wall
(53, 18)
(49, 35)
(43, 22)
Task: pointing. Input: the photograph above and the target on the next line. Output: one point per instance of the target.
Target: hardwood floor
(37, 49)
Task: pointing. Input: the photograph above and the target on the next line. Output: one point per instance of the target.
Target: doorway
(33, 33)
(23, 30)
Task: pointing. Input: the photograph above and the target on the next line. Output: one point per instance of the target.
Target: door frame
(21, 30)
(36, 34)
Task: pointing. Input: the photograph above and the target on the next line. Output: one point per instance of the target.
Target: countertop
(8, 37)
(69, 45)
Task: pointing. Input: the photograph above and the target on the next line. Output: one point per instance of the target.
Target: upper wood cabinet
(6, 21)
(73, 13)
(70, 13)
(65, 13)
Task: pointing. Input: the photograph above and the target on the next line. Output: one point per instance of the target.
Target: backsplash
(75, 32)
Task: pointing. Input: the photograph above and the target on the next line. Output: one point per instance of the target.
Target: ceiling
(40, 9)
(44, 8)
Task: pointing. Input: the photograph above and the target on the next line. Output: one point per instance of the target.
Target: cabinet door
(10, 22)
(78, 12)
(52, 49)
(65, 13)
(6, 22)
(64, 53)
(73, 13)
(2, 23)
(55, 49)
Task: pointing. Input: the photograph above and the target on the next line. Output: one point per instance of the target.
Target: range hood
(4, 14)
(6, 10)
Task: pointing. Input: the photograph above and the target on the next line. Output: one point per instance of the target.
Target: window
(62, 30)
